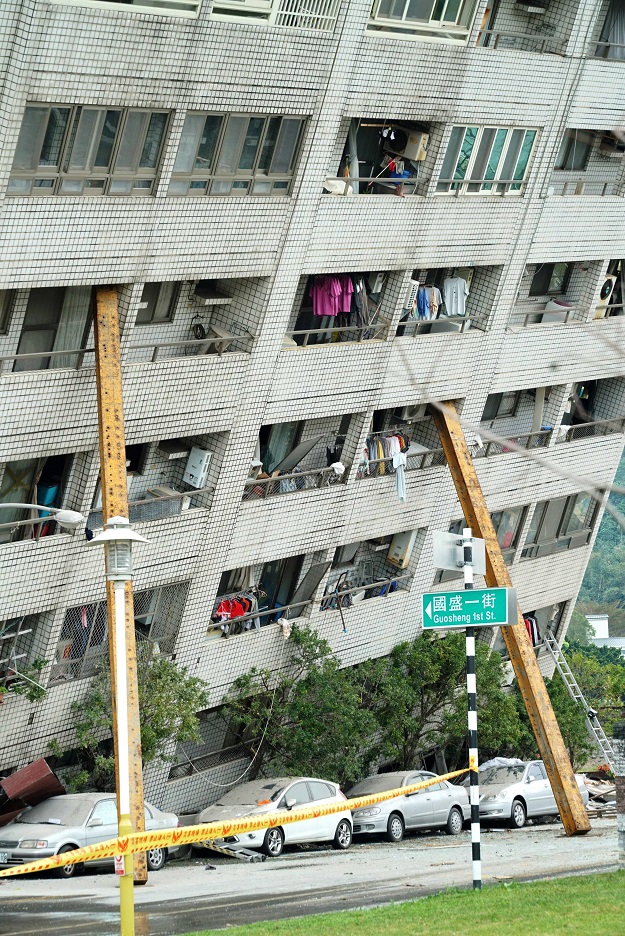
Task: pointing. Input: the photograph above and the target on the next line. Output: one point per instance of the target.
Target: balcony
(496, 39)
(318, 15)
(588, 430)
(527, 440)
(183, 8)
(160, 506)
(288, 483)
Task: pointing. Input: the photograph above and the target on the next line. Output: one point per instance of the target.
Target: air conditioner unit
(612, 145)
(604, 296)
(411, 298)
(411, 144)
(411, 412)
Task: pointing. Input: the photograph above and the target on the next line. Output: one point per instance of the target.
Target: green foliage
(25, 681)
(168, 701)
(570, 717)
(580, 629)
(314, 718)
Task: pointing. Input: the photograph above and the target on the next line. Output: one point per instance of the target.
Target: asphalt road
(185, 897)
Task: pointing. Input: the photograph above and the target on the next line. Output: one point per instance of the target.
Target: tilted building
(285, 193)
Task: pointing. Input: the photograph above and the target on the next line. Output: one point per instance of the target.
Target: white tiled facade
(259, 251)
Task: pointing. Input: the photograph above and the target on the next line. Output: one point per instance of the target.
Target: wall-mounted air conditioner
(604, 296)
(612, 144)
(411, 144)
(412, 413)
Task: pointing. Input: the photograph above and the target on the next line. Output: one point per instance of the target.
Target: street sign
(477, 607)
(447, 552)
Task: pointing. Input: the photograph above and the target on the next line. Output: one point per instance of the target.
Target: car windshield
(502, 775)
(377, 784)
(57, 811)
(251, 794)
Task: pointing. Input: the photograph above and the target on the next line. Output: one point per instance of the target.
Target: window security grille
(17, 642)
(83, 645)
(450, 19)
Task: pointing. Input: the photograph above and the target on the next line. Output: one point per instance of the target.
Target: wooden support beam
(115, 504)
(520, 650)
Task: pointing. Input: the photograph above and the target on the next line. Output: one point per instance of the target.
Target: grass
(589, 905)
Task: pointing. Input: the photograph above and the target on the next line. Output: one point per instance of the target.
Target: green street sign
(478, 607)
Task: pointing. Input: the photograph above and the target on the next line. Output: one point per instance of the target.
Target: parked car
(515, 792)
(282, 793)
(63, 823)
(441, 806)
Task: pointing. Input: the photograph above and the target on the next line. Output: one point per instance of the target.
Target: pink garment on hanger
(326, 293)
(347, 288)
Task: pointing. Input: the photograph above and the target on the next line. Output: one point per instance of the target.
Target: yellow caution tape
(187, 835)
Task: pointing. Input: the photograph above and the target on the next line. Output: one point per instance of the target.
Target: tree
(579, 629)
(168, 702)
(309, 718)
(570, 717)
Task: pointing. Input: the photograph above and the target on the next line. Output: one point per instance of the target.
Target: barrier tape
(187, 835)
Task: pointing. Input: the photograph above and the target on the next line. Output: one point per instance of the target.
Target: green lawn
(591, 905)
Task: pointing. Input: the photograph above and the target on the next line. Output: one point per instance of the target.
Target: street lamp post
(69, 519)
(117, 540)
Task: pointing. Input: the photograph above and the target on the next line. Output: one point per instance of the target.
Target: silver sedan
(440, 806)
(63, 823)
(517, 792)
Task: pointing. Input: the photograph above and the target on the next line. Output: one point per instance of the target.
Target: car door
(102, 823)
(442, 801)
(305, 829)
(323, 794)
(417, 807)
(538, 794)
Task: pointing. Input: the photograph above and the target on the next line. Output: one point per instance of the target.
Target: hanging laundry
(423, 303)
(399, 464)
(531, 625)
(326, 293)
(435, 300)
(455, 292)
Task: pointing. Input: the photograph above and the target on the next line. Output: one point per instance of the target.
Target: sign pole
(467, 568)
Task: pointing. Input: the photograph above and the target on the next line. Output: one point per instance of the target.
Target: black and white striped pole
(474, 788)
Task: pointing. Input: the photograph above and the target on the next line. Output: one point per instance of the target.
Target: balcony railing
(444, 325)
(527, 440)
(585, 187)
(254, 620)
(313, 337)
(296, 14)
(293, 481)
(609, 50)
(33, 528)
(481, 186)
(341, 185)
(345, 597)
(601, 427)
(211, 345)
(156, 508)
(522, 42)
(376, 467)
(539, 315)
(188, 8)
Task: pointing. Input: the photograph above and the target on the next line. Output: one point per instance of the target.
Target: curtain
(613, 31)
(16, 487)
(352, 155)
(280, 443)
(70, 333)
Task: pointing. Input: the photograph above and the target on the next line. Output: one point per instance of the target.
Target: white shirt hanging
(455, 292)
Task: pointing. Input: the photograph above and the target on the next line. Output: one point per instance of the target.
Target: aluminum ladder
(592, 722)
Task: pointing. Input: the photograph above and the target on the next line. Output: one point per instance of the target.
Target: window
(79, 150)
(17, 639)
(32, 481)
(56, 319)
(450, 19)
(560, 524)
(6, 301)
(181, 7)
(550, 279)
(493, 160)
(83, 645)
(508, 524)
(239, 154)
(157, 303)
(501, 404)
(575, 149)
(106, 811)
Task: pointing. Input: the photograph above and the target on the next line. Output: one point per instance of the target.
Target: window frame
(212, 179)
(541, 269)
(144, 305)
(140, 6)
(60, 173)
(455, 29)
(565, 157)
(485, 183)
(7, 297)
(509, 551)
(536, 544)
(511, 407)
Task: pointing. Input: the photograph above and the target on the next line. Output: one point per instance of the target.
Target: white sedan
(274, 795)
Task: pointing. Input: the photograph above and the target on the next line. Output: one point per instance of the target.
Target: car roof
(88, 798)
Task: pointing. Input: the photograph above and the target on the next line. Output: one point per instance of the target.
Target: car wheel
(71, 870)
(394, 828)
(518, 815)
(156, 858)
(343, 836)
(455, 821)
(273, 843)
